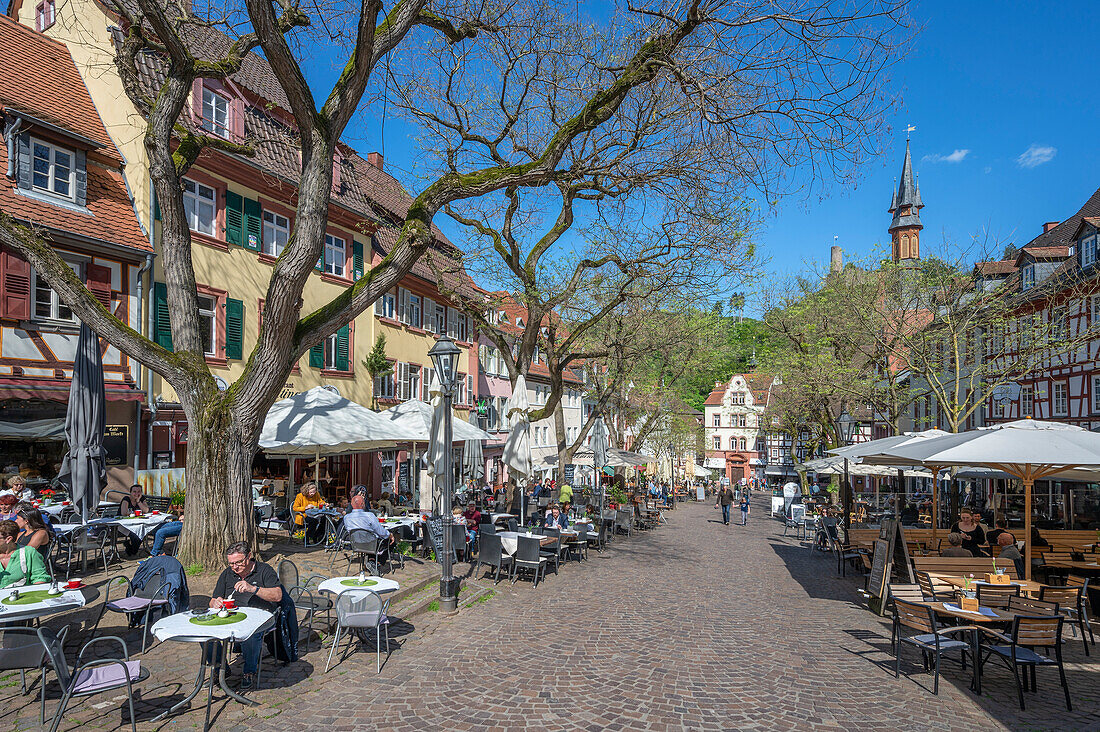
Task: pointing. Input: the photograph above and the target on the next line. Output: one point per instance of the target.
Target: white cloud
(1036, 155)
(956, 157)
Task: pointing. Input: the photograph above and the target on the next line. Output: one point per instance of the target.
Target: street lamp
(846, 426)
(444, 356)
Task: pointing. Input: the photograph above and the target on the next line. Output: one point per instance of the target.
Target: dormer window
(1088, 251)
(215, 113)
(1027, 276)
(53, 169)
(45, 14)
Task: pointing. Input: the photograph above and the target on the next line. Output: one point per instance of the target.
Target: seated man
(19, 565)
(1009, 550)
(164, 531)
(555, 519)
(250, 584)
(360, 518)
(472, 516)
(955, 549)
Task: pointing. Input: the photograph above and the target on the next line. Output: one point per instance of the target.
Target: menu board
(116, 444)
(568, 473)
(876, 581)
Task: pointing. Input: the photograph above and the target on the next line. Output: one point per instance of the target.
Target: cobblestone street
(694, 625)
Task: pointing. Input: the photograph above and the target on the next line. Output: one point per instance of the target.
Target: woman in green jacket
(19, 565)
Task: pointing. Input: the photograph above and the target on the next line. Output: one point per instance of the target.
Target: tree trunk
(218, 509)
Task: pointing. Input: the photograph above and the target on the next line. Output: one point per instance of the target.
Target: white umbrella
(517, 446)
(320, 422)
(1027, 449)
(701, 472)
(416, 416)
(834, 465)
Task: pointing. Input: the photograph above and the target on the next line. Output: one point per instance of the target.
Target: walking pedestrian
(744, 508)
(725, 500)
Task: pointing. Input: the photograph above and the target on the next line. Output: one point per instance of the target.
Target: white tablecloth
(139, 527)
(64, 601)
(509, 540)
(53, 509)
(335, 585)
(501, 516)
(391, 524)
(175, 626)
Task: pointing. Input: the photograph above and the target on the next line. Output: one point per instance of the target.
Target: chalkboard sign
(403, 478)
(876, 581)
(568, 473)
(435, 532)
(116, 443)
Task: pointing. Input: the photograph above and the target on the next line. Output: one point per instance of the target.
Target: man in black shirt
(250, 584)
(725, 499)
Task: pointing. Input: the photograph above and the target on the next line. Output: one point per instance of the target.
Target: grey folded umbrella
(84, 469)
(473, 460)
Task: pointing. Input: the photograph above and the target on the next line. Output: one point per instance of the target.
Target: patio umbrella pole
(1029, 481)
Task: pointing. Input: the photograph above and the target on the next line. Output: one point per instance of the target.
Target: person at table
(972, 533)
(251, 584)
(385, 505)
(360, 518)
(1009, 550)
(1037, 539)
(955, 546)
(163, 532)
(8, 502)
(555, 519)
(309, 498)
(909, 514)
(472, 516)
(131, 503)
(17, 484)
(993, 536)
(33, 529)
(19, 565)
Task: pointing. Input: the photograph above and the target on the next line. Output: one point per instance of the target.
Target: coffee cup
(229, 604)
(137, 513)
(73, 583)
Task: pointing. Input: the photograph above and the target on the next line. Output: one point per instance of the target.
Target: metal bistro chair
(578, 546)
(269, 523)
(359, 610)
(1070, 604)
(554, 553)
(931, 640)
(528, 557)
(458, 541)
(81, 541)
(93, 677)
(599, 538)
(844, 554)
(20, 650)
(158, 503)
(1082, 609)
(1015, 650)
(492, 555)
(145, 600)
(303, 595)
(363, 544)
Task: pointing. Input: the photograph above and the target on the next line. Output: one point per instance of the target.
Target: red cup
(154, 513)
(229, 604)
(137, 513)
(72, 584)
(66, 503)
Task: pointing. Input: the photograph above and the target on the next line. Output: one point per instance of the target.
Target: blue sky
(984, 84)
(1002, 95)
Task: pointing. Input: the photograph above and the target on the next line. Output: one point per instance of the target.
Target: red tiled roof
(1047, 252)
(715, 396)
(1003, 266)
(1062, 234)
(110, 216)
(759, 385)
(38, 77)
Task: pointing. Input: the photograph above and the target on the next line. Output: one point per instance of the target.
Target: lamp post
(445, 358)
(846, 429)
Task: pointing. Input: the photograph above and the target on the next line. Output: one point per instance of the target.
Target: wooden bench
(959, 566)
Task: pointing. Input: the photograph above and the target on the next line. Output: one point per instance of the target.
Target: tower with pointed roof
(905, 208)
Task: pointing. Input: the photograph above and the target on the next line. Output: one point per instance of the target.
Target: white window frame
(41, 288)
(717, 420)
(388, 461)
(1027, 276)
(1088, 251)
(1027, 401)
(1059, 398)
(51, 172)
(336, 255)
(214, 101)
(197, 198)
(384, 385)
(330, 345)
(45, 15)
(210, 348)
(384, 305)
(274, 225)
(412, 310)
(1096, 394)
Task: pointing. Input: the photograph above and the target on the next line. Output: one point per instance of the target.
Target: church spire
(905, 208)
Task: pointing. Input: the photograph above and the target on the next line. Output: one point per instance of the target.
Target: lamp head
(445, 358)
(847, 424)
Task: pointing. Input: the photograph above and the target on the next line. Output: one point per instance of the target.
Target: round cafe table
(198, 627)
(381, 585)
(34, 602)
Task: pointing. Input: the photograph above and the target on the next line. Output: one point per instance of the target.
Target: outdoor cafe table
(509, 540)
(54, 509)
(186, 627)
(138, 526)
(381, 585)
(35, 602)
(1026, 586)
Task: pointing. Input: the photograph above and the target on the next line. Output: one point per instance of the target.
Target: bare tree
(591, 101)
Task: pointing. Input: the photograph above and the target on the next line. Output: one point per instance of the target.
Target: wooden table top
(1094, 566)
(956, 581)
(999, 616)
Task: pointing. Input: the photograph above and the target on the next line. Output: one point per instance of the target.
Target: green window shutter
(162, 329)
(253, 225)
(317, 356)
(343, 336)
(356, 261)
(234, 328)
(156, 207)
(234, 218)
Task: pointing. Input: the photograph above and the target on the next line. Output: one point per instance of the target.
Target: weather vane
(910, 128)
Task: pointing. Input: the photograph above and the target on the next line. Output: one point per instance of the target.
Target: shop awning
(57, 390)
(39, 429)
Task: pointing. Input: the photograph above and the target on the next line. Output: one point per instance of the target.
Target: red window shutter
(236, 118)
(99, 282)
(15, 283)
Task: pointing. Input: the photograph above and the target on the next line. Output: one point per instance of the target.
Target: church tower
(905, 207)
